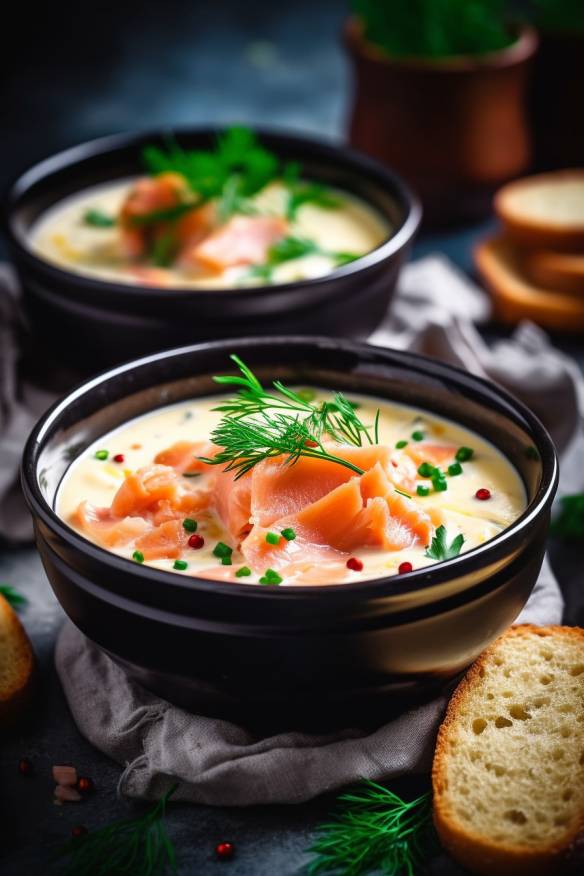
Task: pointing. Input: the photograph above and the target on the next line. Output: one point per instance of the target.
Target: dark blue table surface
(83, 72)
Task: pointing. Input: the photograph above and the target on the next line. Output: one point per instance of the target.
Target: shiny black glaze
(93, 323)
(292, 654)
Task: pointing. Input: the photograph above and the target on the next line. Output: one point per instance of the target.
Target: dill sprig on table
(133, 847)
(259, 424)
(374, 831)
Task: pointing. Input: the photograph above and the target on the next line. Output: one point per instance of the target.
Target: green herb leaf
(271, 577)
(243, 572)
(258, 424)
(133, 846)
(168, 214)
(12, 596)
(98, 219)
(374, 830)
(237, 169)
(440, 549)
(569, 523)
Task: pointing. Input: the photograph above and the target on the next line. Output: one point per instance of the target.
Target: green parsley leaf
(272, 538)
(463, 454)
(569, 523)
(98, 219)
(222, 550)
(289, 534)
(440, 549)
(12, 596)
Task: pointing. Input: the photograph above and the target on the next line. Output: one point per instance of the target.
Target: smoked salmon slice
(143, 488)
(147, 195)
(242, 240)
(183, 456)
(104, 528)
(435, 454)
(232, 500)
(165, 541)
(365, 511)
(279, 490)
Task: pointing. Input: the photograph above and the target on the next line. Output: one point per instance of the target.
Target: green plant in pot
(556, 92)
(440, 94)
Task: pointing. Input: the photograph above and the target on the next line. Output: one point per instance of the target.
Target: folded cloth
(221, 764)
(215, 761)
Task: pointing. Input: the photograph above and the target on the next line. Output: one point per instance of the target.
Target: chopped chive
(400, 444)
(272, 537)
(180, 565)
(422, 491)
(226, 561)
(101, 454)
(189, 524)
(222, 550)
(463, 454)
(306, 394)
(244, 572)
(138, 556)
(191, 474)
(401, 492)
(454, 468)
(418, 436)
(98, 219)
(426, 470)
(288, 534)
(271, 577)
(439, 483)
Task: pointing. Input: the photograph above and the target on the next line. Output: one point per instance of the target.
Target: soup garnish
(228, 216)
(290, 485)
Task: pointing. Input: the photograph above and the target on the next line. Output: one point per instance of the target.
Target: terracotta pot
(556, 101)
(456, 127)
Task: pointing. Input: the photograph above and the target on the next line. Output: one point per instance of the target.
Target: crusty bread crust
(16, 682)
(474, 851)
(531, 230)
(556, 271)
(498, 262)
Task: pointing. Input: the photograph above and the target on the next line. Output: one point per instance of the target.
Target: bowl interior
(130, 390)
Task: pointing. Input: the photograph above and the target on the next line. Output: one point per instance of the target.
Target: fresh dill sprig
(249, 441)
(375, 830)
(259, 424)
(12, 596)
(133, 847)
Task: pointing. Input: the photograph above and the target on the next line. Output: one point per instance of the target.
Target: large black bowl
(294, 654)
(91, 323)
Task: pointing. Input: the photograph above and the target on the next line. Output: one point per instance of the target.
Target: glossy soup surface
(63, 237)
(302, 560)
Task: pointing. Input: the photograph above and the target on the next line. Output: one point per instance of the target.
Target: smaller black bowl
(91, 323)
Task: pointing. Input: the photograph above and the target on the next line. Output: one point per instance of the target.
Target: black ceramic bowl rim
(393, 585)
(386, 178)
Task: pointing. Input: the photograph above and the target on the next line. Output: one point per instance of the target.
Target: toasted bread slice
(560, 271)
(508, 773)
(500, 263)
(546, 210)
(16, 664)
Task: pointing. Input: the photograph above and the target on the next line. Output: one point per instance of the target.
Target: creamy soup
(428, 490)
(264, 248)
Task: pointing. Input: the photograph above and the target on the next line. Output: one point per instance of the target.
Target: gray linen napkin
(217, 762)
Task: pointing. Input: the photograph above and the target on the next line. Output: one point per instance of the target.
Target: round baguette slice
(561, 271)
(508, 773)
(545, 211)
(16, 664)
(500, 263)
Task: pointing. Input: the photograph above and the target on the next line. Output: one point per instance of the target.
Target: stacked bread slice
(535, 267)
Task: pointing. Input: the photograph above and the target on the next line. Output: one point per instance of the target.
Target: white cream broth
(97, 481)
(62, 237)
